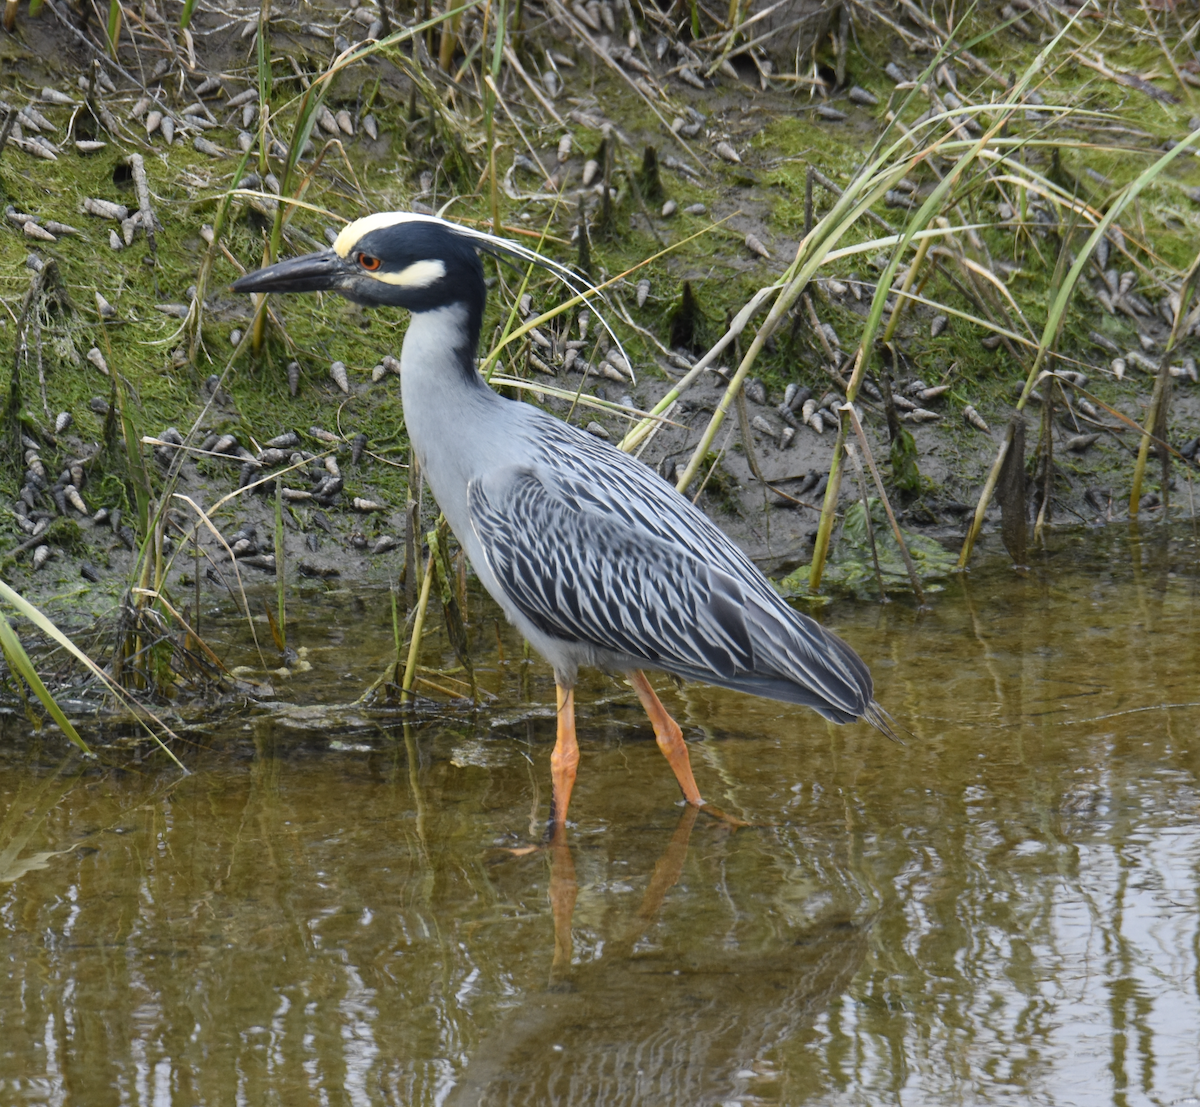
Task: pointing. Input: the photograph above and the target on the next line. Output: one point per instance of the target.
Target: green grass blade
(20, 663)
(113, 29)
(1055, 315)
(49, 628)
(498, 45)
(1059, 305)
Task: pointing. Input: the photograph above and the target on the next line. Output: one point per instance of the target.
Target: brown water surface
(335, 909)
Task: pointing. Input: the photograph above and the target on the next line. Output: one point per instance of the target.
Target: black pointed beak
(320, 272)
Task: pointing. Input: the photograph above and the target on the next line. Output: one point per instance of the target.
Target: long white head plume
(498, 247)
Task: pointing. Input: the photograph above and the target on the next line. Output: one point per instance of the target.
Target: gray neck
(449, 409)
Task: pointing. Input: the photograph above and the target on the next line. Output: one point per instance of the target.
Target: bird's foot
(521, 851)
(732, 821)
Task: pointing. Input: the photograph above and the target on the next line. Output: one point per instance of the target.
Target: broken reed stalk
(808, 199)
(11, 450)
(448, 42)
(847, 410)
(489, 110)
(748, 440)
(196, 576)
(414, 645)
(852, 454)
(280, 565)
(262, 45)
(1054, 320)
(1046, 444)
(397, 624)
(1156, 415)
(271, 252)
(411, 521)
(815, 323)
(1156, 425)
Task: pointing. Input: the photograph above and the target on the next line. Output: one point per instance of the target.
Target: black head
(393, 259)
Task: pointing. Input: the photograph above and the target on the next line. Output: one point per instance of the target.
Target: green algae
(850, 569)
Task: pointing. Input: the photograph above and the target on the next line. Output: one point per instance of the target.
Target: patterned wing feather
(587, 578)
(584, 572)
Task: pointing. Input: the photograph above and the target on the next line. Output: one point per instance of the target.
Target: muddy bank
(733, 163)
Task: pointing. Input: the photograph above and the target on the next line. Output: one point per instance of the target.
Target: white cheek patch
(421, 274)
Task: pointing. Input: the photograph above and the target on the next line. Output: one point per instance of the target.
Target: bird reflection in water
(648, 1024)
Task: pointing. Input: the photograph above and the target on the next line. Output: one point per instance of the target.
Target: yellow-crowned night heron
(593, 556)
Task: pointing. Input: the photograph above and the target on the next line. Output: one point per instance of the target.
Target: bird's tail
(881, 721)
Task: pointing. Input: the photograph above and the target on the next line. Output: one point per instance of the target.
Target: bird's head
(418, 262)
(392, 259)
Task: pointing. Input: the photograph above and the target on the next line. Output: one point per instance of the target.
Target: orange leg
(565, 758)
(669, 736)
(563, 886)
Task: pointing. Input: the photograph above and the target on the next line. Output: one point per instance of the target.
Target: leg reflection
(665, 877)
(677, 1006)
(564, 888)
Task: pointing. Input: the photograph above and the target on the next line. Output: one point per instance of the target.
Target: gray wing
(607, 481)
(586, 576)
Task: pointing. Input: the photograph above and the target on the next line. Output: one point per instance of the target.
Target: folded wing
(583, 574)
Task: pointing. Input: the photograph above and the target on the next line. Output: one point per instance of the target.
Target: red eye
(368, 262)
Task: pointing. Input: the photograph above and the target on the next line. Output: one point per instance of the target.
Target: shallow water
(329, 909)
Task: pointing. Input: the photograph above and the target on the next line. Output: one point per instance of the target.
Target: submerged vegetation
(955, 253)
